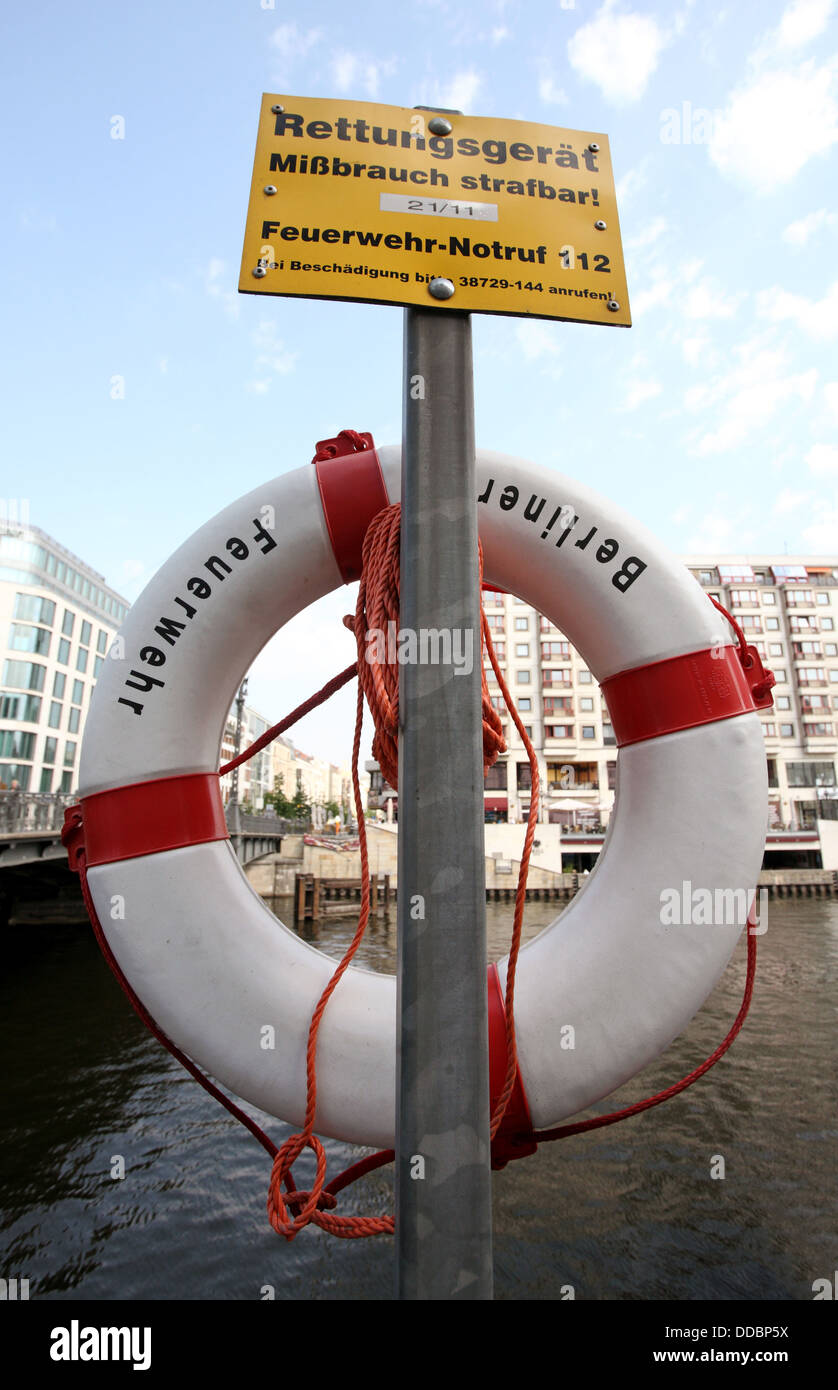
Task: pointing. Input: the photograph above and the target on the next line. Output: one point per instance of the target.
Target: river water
(630, 1212)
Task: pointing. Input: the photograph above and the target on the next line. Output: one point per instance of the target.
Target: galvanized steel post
(443, 1178)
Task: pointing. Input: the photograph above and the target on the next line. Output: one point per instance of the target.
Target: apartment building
(57, 619)
(787, 607)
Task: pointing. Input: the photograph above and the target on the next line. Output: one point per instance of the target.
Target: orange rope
(376, 627)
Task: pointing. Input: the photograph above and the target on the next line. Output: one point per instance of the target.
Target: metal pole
(443, 1179)
(234, 820)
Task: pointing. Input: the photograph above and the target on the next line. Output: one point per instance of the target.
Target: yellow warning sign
(392, 205)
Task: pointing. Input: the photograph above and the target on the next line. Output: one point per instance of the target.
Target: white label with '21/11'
(438, 207)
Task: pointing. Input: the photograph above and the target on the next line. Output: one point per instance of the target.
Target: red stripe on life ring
(149, 817)
(683, 692)
(515, 1137)
(352, 492)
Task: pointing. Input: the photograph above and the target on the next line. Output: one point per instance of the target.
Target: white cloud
(272, 354)
(822, 535)
(802, 22)
(536, 339)
(816, 317)
(352, 72)
(707, 300)
(822, 460)
(748, 396)
(775, 123)
(550, 93)
(715, 536)
(459, 93)
(697, 351)
(648, 236)
(499, 34)
(163, 365)
(215, 278)
(618, 51)
(639, 392)
(659, 292)
(292, 42)
(798, 233)
(789, 501)
(830, 396)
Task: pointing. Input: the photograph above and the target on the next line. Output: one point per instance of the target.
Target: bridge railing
(31, 812)
(252, 824)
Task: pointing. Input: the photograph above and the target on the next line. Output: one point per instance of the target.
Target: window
(50, 745)
(69, 754)
(81, 659)
(822, 598)
(812, 675)
(495, 621)
(775, 648)
(810, 774)
(522, 648)
(14, 743)
(772, 624)
(827, 625)
(34, 609)
(557, 677)
(73, 721)
(769, 599)
(586, 703)
(97, 665)
(751, 623)
(585, 678)
(803, 623)
(772, 772)
(58, 684)
(558, 704)
(608, 736)
(524, 775)
(525, 704)
(522, 624)
(46, 779)
(85, 634)
(495, 779)
(559, 731)
(24, 708)
(786, 731)
(819, 730)
(744, 598)
(102, 642)
(612, 776)
(63, 652)
(78, 692)
(23, 638)
(770, 731)
(799, 598)
(55, 715)
(16, 772)
(24, 675)
(830, 649)
(555, 651)
(780, 676)
(782, 702)
(588, 731)
(522, 677)
(806, 649)
(66, 781)
(67, 625)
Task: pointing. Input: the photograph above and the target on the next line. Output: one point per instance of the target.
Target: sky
(143, 393)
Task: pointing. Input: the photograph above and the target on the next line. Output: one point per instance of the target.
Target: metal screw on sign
(277, 110)
(600, 225)
(441, 288)
(260, 271)
(270, 189)
(613, 305)
(593, 147)
(440, 126)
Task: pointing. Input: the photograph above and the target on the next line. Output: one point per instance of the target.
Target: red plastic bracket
(352, 492)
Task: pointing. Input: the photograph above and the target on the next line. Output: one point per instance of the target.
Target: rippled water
(630, 1212)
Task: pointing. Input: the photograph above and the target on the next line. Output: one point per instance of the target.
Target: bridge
(36, 883)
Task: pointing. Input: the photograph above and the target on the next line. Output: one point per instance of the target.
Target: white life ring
(213, 965)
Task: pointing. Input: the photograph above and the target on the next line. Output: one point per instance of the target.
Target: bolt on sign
(355, 200)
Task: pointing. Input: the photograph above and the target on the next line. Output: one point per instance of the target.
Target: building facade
(57, 620)
(788, 609)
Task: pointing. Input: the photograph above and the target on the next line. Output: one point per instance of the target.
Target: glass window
(16, 772)
(50, 745)
(78, 692)
(586, 703)
(97, 664)
(14, 743)
(55, 715)
(522, 677)
(63, 652)
(588, 731)
(85, 634)
(821, 597)
(783, 702)
(81, 659)
(769, 598)
(780, 675)
(24, 708)
(522, 624)
(66, 781)
(73, 721)
(771, 624)
(102, 642)
(775, 648)
(24, 675)
(69, 754)
(23, 638)
(67, 625)
(58, 685)
(46, 779)
(830, 649)
(34, 609)
(559, 731)
(525, 703)
(786, 731)
(585, 678)
(827, 625)
(522, 648)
